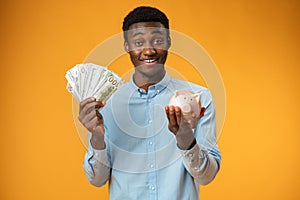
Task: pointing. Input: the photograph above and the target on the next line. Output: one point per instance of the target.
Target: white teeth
(149, 61)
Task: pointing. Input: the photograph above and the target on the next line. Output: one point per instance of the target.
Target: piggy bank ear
(197, 97)
(176, 93)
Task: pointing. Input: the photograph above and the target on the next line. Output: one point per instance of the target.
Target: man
(143, 147)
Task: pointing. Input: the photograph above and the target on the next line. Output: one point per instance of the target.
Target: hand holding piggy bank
(189, 103)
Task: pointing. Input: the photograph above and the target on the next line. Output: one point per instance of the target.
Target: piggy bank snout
(186, 108)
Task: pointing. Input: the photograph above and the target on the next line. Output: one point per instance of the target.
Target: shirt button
(150, 142)
(190, 154)
(149, 120)
(152, 188)
(151, 165)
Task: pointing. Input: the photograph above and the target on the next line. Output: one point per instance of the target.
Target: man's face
(148, 44)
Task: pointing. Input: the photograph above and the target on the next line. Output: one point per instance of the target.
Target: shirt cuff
(194, 159)
(195, 152)
(95, 155)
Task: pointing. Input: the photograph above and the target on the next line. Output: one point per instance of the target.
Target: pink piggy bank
(189, 103)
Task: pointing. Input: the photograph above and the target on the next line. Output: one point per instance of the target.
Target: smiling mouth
(150, 61)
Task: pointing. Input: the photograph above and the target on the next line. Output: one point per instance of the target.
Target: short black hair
(144, 14)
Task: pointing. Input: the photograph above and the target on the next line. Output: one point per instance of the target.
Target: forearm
(185, 139)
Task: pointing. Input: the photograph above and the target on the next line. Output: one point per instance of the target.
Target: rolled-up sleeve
(96, 165)
(202, 166)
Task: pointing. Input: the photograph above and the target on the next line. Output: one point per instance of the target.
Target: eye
(158, 41)
(138, 43)
(191, 99)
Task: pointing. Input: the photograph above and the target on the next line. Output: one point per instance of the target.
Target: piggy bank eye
(191, 99)
(184, 97)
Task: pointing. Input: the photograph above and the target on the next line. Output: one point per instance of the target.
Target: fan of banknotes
(91, 80)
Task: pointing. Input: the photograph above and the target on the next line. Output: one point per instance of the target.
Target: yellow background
(255, 45)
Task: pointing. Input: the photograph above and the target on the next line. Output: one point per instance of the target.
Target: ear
(176, 93)
(197, 97)
(126, 46)
(169, 42)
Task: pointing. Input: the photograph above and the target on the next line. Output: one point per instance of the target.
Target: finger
(172, 120)
(100, 105)
(86, 101)
(86, 118)
(167, 112)
(90, 106)
(92, 124)
(178, 115)
(100, 117)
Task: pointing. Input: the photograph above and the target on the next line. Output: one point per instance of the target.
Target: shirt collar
(158, 87)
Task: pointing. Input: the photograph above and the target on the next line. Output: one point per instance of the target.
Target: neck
(144, 82)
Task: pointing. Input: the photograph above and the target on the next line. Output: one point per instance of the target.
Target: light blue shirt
(141, 160)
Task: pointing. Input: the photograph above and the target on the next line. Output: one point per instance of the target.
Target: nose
(149, 51)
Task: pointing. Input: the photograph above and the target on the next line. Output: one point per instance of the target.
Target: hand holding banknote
(92, 85)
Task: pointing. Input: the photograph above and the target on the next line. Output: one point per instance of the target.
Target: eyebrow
(153, 32)
(157, 31)
(137, 33)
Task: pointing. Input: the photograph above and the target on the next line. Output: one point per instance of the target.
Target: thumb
(202, 111)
